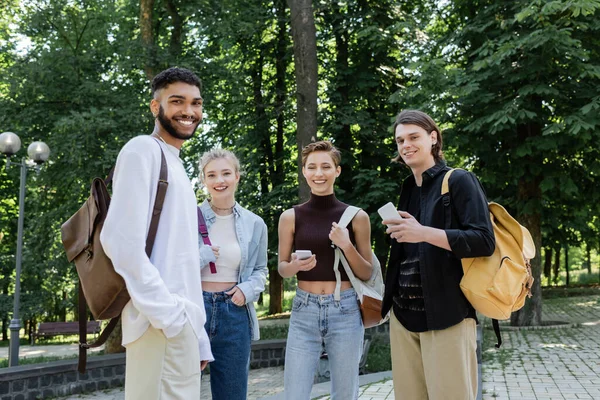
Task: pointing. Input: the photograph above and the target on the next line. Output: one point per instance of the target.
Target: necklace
(160, 137)
(219, 208)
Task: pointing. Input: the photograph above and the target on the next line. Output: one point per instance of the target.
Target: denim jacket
(251, 234)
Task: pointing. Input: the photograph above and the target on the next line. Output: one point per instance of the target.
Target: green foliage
(379, 357)
(514, 85)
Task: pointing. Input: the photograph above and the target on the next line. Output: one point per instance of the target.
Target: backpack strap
(446, 200)
(203, 231)
(345, 219)
(161, 191)
(448, 222)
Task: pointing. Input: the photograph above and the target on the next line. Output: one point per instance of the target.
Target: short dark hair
(419, 118)
(323, 145)
(173, 75)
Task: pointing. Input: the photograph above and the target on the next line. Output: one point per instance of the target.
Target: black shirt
(409, 304)
(470, 235)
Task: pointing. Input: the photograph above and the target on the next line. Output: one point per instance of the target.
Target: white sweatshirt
(165, 290)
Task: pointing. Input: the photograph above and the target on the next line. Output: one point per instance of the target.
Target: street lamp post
(38, 152)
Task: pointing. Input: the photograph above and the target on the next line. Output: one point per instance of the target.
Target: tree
(305, 59)
(524, 78)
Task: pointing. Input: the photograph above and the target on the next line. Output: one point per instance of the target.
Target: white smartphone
(303, 254)
(389, 212)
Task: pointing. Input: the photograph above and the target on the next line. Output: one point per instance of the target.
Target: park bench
(49, 329)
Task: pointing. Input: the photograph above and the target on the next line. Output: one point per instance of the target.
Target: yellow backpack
(498, 285)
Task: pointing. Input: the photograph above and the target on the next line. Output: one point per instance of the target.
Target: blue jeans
(229, 331)
(319, 321)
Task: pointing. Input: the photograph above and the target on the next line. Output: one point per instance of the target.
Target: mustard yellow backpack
(498, 285)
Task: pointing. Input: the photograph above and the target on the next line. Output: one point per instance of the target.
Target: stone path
(550, 363)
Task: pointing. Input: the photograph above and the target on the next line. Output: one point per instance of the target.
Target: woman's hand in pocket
(237, 296)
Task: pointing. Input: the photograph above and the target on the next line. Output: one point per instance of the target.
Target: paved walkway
(549, 364)
(542, 364)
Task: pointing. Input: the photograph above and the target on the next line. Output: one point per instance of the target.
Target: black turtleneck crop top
(313, 221)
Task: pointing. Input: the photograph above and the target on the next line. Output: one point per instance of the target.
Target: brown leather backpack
(100, 286)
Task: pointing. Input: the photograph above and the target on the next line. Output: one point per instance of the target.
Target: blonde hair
(216, 154)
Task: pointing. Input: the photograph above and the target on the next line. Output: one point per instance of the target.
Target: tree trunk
(588, 250)
(261, 299)
(113, 343)
(63, 307)
(147, 37)
(177, 32)
(548, 263)
(280, 90)
(567, 262)
(5, 317)
(275, 292)
(277, 169)
(556, 266)
(305, 61)
(531, 313)
(342, 136)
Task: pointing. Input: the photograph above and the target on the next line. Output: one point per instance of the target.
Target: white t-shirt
(165, 288)
(222, 234)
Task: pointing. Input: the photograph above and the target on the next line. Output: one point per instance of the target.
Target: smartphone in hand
(303, 254)
(389, 212)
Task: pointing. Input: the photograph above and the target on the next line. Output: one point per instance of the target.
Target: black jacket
(441, 271)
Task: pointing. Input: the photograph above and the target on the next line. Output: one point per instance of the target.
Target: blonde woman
(237, 276)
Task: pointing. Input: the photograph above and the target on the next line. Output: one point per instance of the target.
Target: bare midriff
(217, 286)
(322, 287)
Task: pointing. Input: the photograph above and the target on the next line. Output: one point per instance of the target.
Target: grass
(273, 332)
(46, 359)
(576, 277)
(554, 292)
(36, 360)
(379, 357)
(288, 298)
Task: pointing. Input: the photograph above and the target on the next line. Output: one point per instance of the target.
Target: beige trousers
(434, 365)
(158, 368)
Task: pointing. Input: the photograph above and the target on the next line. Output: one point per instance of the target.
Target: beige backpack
(498, 285)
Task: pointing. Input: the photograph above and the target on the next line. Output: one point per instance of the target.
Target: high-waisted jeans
(229, 331)
(318, 321)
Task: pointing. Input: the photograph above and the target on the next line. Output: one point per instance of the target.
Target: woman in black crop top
(318, 321)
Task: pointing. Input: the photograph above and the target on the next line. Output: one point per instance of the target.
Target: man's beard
(171, 130)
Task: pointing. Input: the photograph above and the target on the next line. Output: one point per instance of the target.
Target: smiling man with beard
(163, 323)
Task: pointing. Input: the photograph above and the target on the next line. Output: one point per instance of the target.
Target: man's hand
(407, 230)
(237, 296)
(203, 364)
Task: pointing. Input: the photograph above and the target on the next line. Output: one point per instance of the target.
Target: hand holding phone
(389, 213)
(303, 254)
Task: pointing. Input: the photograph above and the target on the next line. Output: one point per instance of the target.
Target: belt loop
(306, 298)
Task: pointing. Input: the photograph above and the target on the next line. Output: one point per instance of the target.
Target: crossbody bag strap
(203, 230)
(163, 184)
(345, 219)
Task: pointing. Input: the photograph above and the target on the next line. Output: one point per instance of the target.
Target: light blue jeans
(318, 321)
